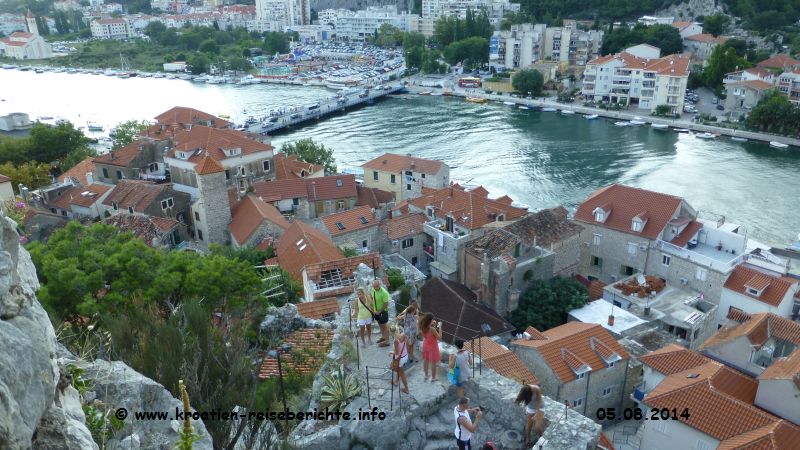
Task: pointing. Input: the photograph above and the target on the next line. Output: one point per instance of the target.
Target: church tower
(31, 20)
(212, 210)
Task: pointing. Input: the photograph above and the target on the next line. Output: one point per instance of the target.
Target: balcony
(429, 250)
(438, 226)
(638, 393)
(703, 254)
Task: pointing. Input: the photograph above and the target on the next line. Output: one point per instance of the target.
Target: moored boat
(591, 116)
(776, 144)
(659, 126)
(681, 130)
(738, 139)
(509, 103)
(426, 93)
(523, 107)
(477, 100)
(636, 121)
(622, 124)
(94, 127)
(549, 109)
(706, 135)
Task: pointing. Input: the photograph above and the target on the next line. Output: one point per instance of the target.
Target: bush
(396, 278)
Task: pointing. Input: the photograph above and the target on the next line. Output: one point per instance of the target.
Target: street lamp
(277, 355)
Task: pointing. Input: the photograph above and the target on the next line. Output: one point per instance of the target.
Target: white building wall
(672, 434)
(780, 397)
(750, 305)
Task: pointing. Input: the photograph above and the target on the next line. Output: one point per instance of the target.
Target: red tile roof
(573, 344)
(708, 38)
(625, 203)
(249, 214)
(673, 358)
(207, 166)
(5, 179)
(403, 226)
(122, 156)
(757, 328)
(786, 368)
(757, 85)
(471, 209)
(394, 163)
(309, 348)
(780, 61)
(354, 219)
(302, 245)
(373, 197)
(136, 194)
(333, 187)
(501, 360)
(346, 267)
(673, 65)
(147, 228)
(779, 435)
(79, 171)
(201, 140)
(605, 442)
(773, 288)
(289, 167)
(687, 234)
(318, 309)
(183, 115)
(80, 196)
(21, 34)
(596, 289)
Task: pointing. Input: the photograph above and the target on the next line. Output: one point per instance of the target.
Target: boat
(622, 124)
(426, 93)
(681, 130)
(738, 139)
(476, 100)
(94, 127)
(567, 112)
(214, 80)
(436, 94)
(776, 144)
(706, 135)
(549, 110)
(636, 122)
(591, 116)
(509, 103)
(523, 107)
(659, 126)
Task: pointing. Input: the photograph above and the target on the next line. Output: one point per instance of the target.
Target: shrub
(339, 388)
(396, 278)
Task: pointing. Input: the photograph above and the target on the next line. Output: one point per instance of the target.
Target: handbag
(453, 375)
(381, 317)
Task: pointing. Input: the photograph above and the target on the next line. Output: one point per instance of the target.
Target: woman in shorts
(531, 396)
(364, 314)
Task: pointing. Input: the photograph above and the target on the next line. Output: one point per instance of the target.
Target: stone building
(252, 221)
(289, 167)
(404, 235)
(356, 229)
(503, 262)
(405, 176)
(309, 198)
(77, 202)
(148, 199)
(141, 159)
(577, 363)
(211, 211)
(156, 232)
(742, 96)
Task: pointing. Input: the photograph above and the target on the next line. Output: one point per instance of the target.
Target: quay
(348, 98)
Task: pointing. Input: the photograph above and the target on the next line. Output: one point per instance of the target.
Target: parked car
(720, 107)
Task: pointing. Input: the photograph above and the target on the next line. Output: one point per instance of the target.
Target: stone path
(625, 435)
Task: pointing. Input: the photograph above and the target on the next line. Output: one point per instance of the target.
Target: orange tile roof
(708, 390)
(5, 179)
(534, 333)
(708, 38)
(332, 187)
(625, 203)
(354, 219)
(501, 360)
(302, 245)
(757, 85)
(122, 156)
(569, 346)
(780, 61)
(786, 368)
(673, 358)
(75, 196)
(687, 234)
(680, 24)
(318, 309)
(773, 288)
(403, 226)
(148, 228)
(136, 194)
(309, 348)
(79, 171)
(208, 165)
(289, 167)
(673, 65)
(373, 197)
(201, 140)
(183, 115)
(249, 214)
(346, 266)
(471, 208)
(779, 435)
(605, 442)
(596, 289)
(394, 163)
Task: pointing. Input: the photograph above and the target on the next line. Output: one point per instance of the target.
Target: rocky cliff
(39, 408)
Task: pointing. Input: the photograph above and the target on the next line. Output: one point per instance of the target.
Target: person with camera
(431, 333)
(380, 298)
(464, 425)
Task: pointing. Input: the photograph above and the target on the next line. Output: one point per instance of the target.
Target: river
(538, 158)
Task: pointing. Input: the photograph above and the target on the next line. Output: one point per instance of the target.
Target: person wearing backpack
(464, 425)
(460, 365)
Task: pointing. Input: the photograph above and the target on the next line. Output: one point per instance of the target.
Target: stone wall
(680, 269)
(214, 208)
(354, 239)
(613, 249)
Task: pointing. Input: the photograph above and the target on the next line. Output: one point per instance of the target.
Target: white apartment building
(497, 9)
(330, 16)
(275, 15)
(527, 43)
(112, 28)
(643, 82)
(363, 24)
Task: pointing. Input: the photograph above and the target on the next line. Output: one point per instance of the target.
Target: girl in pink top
(431, 333)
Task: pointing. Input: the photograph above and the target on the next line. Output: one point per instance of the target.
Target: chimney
(611, 320)
(89, 178)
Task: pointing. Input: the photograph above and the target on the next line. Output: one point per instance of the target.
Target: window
(364, 244)
(636, 225)
(200, 234)
(338, 182)
(501, 217)
(64, 213)
(597, 261)
(517, 250)
(599, 216)
(632, 248)
(607, 391)
(105, 172)
(596, 239)
(114, 205)
(340, 225)
(423, 175)
(53, 210)
(227, 174)
(701, 274)
(752, 291)
(130, 209)
(197, 216)
(408, 187)
(581, 375)
(392, 178)
(408, 242)
(265, 165)
(665, 260)
(339, 204)
(577, 402)
(363, 220)
(119, 175)
(242, 171)
(429, 211)
(165, 204)
(375, 176)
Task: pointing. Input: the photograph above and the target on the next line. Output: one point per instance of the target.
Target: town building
(645, 83)
(79, 202)
(364, 23)
(312, 34)
(490, 353)
(141, 159)
(275, 15)
(157, 232)
(655, 20)
(579, 364)
(21, 45)
(355, 229)
(743, 96)
(527, 43)
(146, 198)
(211, 207)
(110, 28)
(629, 230)
(405, 175)
(405, 235)
(456, 215)
(700, 46)
(6, 190)
(15, 121)
(687, 29)
(502, 264)
(330, 16)
(779, 62)
(184, 118)
(495, 9)
(377, 199)
(170, 6)
(462, 316)
(751, 74)
(753, 290)
(9, 23)
(288, 167)
(253, 220)
(789, 85)
(644, 51)
(309, 198)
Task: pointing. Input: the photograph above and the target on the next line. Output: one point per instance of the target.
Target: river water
(538, 158)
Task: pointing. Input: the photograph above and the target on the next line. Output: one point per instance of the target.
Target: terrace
(446, 228)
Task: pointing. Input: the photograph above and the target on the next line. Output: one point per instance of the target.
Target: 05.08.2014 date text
(604, 414)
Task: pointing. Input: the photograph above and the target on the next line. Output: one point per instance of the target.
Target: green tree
(275, 42)
(775, 114)
(52, 143)
(472, 51)
(546, 304)
(715, 24)
(723, 60)
(127, 132)
(413, 39)
(198, 63)
(209, 46)
(528, 81)
(388, 36)
(31, 174)
(414, 57)
(311, 152)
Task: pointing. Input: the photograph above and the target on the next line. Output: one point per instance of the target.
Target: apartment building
(111, 28)
(527, 43)
(405, 175)
(700, 46)
(755, 290)
(789, 85)
(274, 15)
(632, 81)
(363, 24)
(496, 9)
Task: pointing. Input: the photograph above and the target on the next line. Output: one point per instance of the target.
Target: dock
(349, 98)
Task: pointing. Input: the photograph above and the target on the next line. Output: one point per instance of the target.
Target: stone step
(439, 430)
(440, 444)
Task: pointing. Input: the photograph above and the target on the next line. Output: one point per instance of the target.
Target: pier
(291, 116)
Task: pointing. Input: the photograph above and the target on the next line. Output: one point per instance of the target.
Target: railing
(712, 263)
(433, 228)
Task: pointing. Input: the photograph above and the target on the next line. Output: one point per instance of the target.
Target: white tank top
(462, 433)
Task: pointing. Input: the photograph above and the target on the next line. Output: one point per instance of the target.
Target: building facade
(364, 23)
(405, 176)
(111, 28)
(527, 43)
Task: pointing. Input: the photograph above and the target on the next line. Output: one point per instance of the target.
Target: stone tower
(212, 206)
(31, 20)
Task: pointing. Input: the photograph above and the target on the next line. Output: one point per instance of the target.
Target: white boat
(567, 112)
(659, 126)
(549, 109)
(214, 80)
(523, 107)
(706, 135)
(636, 122)
(436, 94)
(622, 124)
(591, 116)
(738, 139)
(776, 144)
(509, 103)
(681, 130)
